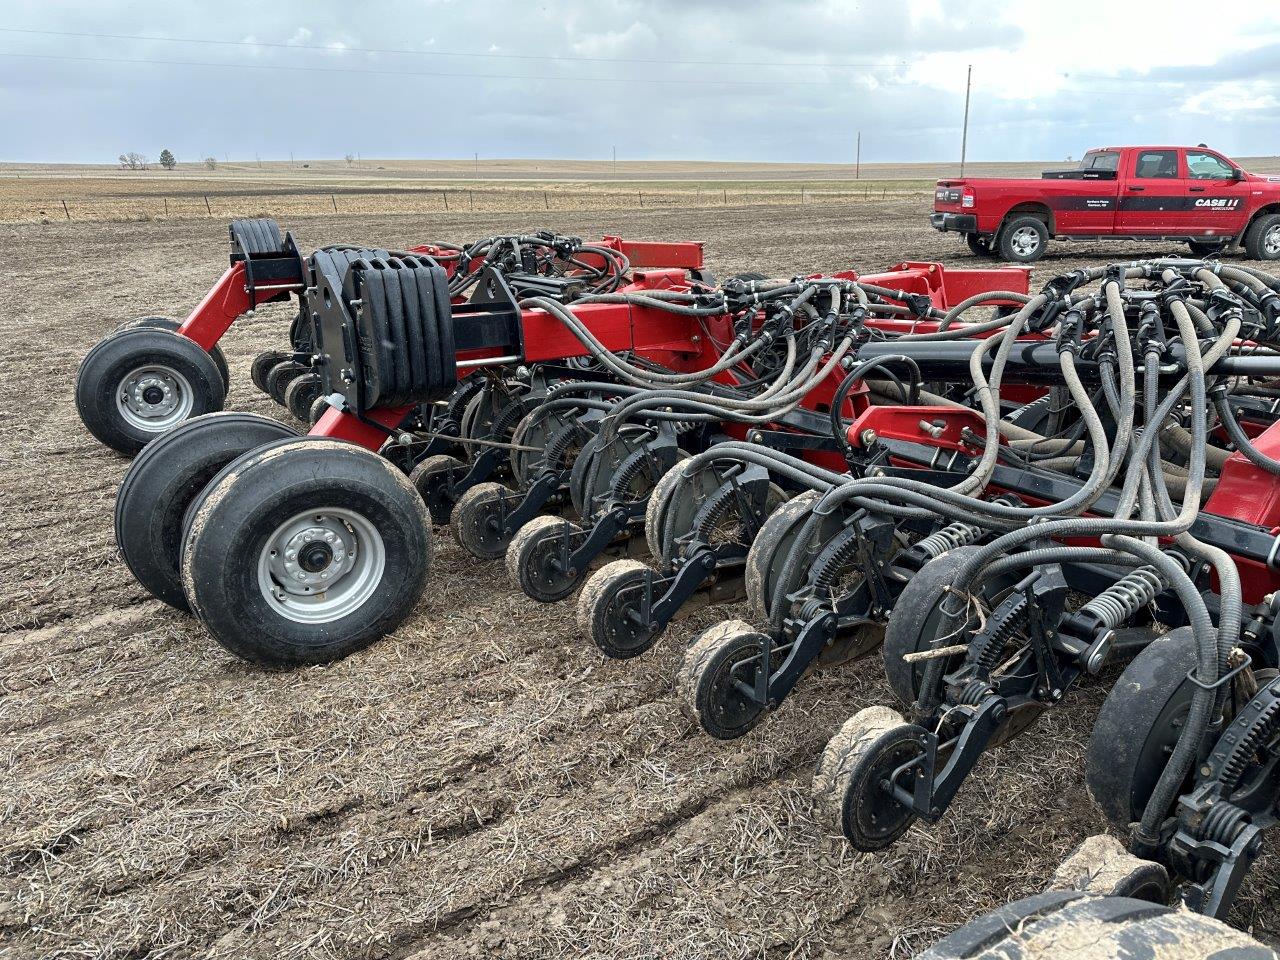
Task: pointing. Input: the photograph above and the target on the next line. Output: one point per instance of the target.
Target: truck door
(1218, 203)
(1153, 200)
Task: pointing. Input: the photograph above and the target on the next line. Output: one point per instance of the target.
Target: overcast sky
(660, 79)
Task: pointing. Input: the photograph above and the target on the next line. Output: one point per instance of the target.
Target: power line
(880, 65)
(439, 74)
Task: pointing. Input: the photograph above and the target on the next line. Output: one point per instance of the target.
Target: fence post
(725, 191)
(445, 195)
(66, 211)
(641, 196)
(546, 204)
(471, 195)
(208, 208)
(334, 201)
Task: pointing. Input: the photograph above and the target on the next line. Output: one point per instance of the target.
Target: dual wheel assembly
(290, 549)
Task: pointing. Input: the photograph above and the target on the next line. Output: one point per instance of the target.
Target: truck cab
(1194, 195)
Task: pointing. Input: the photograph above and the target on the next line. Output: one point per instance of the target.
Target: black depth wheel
(1138, 725)
(164, 480)
(535, 558)
(304, 551)
(142, 382)
(476, 521)
(281, 375)
(301, 393)
(855, 765)
(433, 478)
(715, 664)
(609, 609)
(262, 365)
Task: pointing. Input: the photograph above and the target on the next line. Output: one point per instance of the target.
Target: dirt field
(480, 784)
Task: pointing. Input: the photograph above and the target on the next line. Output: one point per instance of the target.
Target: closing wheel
(304, 551)
(168, 323)
(301, 394)
(716, 676)
(142, 382)
(610, 605)
(476, 520)
(1138, 725)
(163, 481)
(1102, 865)
(281, 375)
(433, 478)
(262, 365)
(318, 406)
(856, 765)
(536, 558)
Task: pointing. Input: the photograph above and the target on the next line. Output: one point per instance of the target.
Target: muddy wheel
(770, 572)
(655, 510)
(318, 406)
(168, 323)
(262, 365)
(1138, 725)
(535, 559)
(164, 480)
(476, 521)
(304, 551)
(433, 478)
(1065, 923)
(862, 756)
(281, 375)
(716, 666)
(1103, 866)
(609, 609)
(301, 393)
(142, 382)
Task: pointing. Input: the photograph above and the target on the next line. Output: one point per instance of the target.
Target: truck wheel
(978, 244)
(1262, 242)
(1023, 239)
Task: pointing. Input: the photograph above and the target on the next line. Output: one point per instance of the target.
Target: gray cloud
(227, 99)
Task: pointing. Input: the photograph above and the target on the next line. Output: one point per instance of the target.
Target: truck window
(1207, 166)
(1157, 163)
(1107, 160)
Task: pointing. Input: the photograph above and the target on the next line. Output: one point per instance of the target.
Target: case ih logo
(1218, 203)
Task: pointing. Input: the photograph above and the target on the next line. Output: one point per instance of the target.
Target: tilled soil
(482, 783)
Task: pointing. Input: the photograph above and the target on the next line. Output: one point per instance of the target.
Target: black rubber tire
(165, 479)
(864, 752)
(1256, 239)
(428, 478)
(1004, 239)
(105, 367)
(769, 550)
(228, 526)
(300, 333)
(301, 393)
(979, 245)
(1206, 248)
(1128, 747)
(281, 375)
(527, 560)
(318, 407)
(475, 524)
(602, 607)
(1064, 922)
(168, 323)
(262, 365)
(704, 680)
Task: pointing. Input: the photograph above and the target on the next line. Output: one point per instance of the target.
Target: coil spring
(1125, 597)
(1223, 822)
(948, 538)
(1005, 623)
(1244, 751)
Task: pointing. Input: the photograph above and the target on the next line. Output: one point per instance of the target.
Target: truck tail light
(966, 198)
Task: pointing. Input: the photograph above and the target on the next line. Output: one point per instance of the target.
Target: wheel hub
(1271, 242)
(154, 398)
(321, 565)
(1025, 241)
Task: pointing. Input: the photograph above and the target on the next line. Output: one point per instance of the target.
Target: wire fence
(141, 207)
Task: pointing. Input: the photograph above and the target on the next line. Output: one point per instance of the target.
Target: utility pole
(291, 163)
(857, 162)
(477, 164)
(615, 161)
(964, 136)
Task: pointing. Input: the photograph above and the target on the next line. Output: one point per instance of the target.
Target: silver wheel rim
(1271, 242)
(1025, 241)
(321, 565)
(154, 398)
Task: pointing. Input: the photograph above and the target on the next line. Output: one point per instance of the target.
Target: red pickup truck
(1190, 194)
